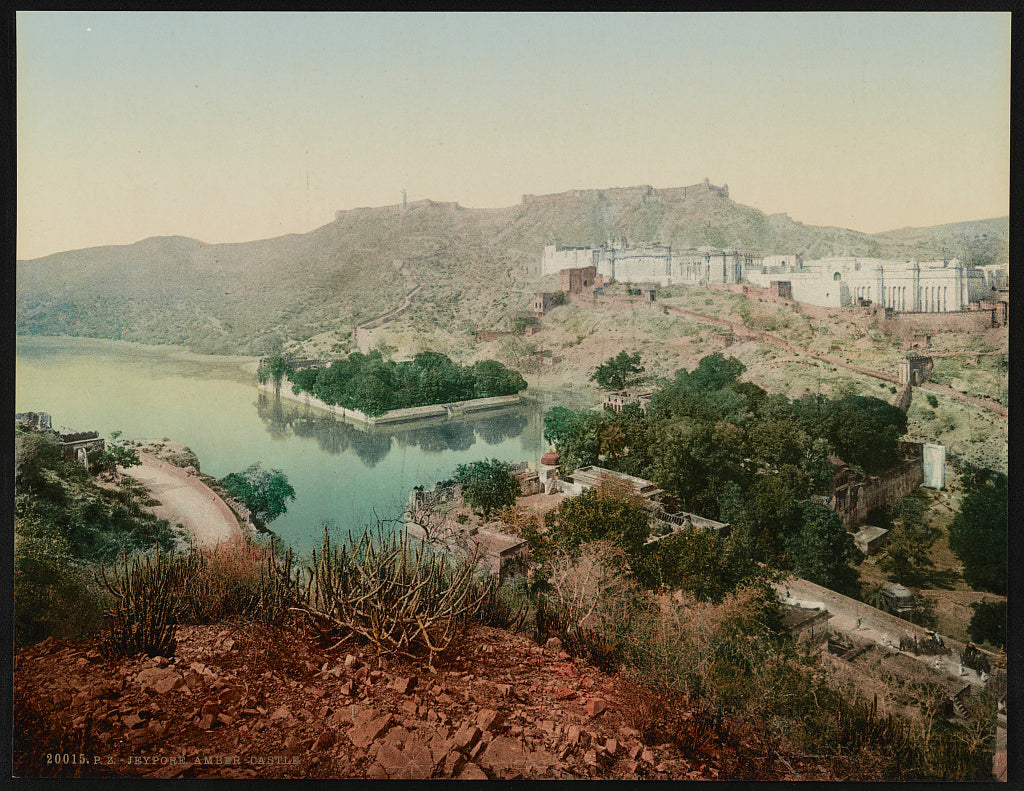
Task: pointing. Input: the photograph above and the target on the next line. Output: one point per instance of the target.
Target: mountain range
(250, 297)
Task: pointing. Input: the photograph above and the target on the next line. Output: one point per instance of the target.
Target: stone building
(580, 280)
(915, 369)
(903, 286)
(79, 444)
(542, 302)
(616, 402)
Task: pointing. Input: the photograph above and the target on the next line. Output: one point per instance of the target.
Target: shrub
(402, 599)
(142, 618)
(933, 402)
(506, 606)
(236, 579)
(53, 598)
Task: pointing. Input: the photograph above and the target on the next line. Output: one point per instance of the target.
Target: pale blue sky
(142, 124)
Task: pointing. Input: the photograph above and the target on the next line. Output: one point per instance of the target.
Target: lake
(341, 472)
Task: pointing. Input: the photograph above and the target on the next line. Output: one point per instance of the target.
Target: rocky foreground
(244, 701)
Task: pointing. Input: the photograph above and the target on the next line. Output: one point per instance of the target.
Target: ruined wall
(853, 500)
(903, 397)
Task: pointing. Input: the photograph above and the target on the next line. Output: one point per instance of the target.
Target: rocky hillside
(251, 297)
(242, 701)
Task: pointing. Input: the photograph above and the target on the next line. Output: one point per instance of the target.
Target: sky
(229, 127)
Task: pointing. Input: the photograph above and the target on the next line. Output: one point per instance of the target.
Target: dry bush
(236, 579)
(611, 488)
(404, 599)
(669, 717)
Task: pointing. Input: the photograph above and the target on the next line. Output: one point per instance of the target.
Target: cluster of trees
(728, 450)
(374, 385)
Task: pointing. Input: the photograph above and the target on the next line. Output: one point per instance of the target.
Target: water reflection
(283, 417)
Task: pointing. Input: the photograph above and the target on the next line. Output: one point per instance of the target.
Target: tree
(576, 435)
(909, 542)
(593, 516)
(616, 372)
(265, 493)
(822, 551)
(491, 378)
(865, 431)
(695, 561)
(978, 533)
(275, 368)
(487, 485)
(988, 624)
(715, 371)
(113, 457)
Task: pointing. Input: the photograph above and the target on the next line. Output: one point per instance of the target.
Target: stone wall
(855, 497)
(908, 324)
(397, 415)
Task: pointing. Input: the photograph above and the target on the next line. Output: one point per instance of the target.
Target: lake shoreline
(398, 416)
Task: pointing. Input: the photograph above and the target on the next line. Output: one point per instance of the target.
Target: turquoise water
(340, 473)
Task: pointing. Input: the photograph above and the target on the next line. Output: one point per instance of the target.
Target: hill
(253, 297)
(290, 707)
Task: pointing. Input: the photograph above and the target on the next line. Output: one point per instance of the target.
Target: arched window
(837, 276)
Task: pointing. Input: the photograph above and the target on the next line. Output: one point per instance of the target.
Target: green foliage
(373, 385)
(487, 485)
(592, 516)
(697, 562)
(978, 532)
(115, 455)
(264, 492)
(273, 368)
(933, 402)
(865, 431)
(58, 503)
(822, 551)
(713, 372)
(907, 550)
(142, 618)
(53, 595)
(617, 372)
(988, 624)
(575, 434)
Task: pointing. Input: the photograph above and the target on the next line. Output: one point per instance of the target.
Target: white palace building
(904, 286)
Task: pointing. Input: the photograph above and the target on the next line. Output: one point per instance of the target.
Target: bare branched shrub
(592, 604)
(142, 618)
(402, 598)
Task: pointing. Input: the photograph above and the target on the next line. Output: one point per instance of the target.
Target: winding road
(185, 499)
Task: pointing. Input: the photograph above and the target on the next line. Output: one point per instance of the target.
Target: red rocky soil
(245, 701)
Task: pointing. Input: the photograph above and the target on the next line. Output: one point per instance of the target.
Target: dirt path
(186, 499)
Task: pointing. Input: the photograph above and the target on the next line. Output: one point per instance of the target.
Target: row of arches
(930, 299)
